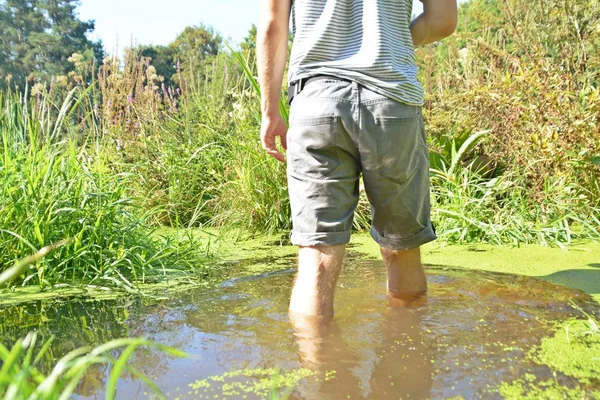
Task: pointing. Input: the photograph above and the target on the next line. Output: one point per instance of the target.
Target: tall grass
(468, 208)
(22, 375)
(474, 202)
(56, 188)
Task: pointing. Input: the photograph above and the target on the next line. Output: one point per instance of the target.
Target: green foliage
(248, 49)
(249, 42)
(38, 37)
(190, 156)
(194, 46)
(529, 75)
(56, 190)
(21, 265)
(163, 60)
(183, 60)
(22, 378)
(469, 208)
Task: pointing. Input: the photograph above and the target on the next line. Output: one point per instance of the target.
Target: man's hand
(271, 54)
(270, 128)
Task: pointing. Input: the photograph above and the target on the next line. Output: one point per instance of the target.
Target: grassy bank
(58, 193)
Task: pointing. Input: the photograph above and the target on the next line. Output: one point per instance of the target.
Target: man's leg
(406, 278)
(318, 271)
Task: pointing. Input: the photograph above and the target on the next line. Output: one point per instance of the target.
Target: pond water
(471, 333)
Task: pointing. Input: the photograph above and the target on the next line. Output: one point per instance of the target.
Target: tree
(162, 58)
(194, 46)
(39, 36)
(249, 43)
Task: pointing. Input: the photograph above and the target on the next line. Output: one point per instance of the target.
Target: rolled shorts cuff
(320, 238)
(424, 236)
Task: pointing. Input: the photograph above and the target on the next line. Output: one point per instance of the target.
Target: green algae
(578, 357)
(576, 266)
(158, 291)
(573, 350)
(530, 388)
(258, 382)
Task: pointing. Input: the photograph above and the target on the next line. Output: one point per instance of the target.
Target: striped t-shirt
(367, 41)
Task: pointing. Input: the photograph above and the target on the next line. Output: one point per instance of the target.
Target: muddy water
(471, 333)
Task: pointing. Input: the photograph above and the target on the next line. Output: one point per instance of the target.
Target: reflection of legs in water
(406, 278)
(318, 271)
(322, 349)
(312, 333)
(385, 359)
(404, 369)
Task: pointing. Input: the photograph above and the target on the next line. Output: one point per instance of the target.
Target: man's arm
(271, 54)
(437, 22)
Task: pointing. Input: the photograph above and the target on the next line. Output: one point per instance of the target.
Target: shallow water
(471, 333)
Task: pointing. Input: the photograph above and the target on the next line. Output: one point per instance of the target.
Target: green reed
(56, 187)
(470, 208)
(22, 378)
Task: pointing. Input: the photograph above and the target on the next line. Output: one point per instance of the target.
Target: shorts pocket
(313, 146)
(401, 147)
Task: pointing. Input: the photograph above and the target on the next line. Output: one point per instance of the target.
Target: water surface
(472, 332)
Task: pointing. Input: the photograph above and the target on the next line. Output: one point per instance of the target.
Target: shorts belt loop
(295, 88)
(356, 91)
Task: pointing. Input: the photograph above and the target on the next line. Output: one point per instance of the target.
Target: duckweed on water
(529, 388)
(259, 382)
(573, 350)
(578, 357)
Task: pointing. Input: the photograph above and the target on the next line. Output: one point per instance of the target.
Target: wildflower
(38, 88)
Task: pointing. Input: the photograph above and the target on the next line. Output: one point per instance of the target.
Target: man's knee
(320, 260)
(390, 255)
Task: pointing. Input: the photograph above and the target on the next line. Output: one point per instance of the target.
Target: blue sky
(119, 23)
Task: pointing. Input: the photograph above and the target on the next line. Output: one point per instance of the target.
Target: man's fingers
(272, 150)
(268, 143)
(270, 129)
(277, 155)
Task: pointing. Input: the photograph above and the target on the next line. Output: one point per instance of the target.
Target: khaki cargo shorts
(338, 130)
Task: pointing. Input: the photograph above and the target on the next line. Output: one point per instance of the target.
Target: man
(356, 108)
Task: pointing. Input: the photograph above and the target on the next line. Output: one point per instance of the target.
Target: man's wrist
(270, 111)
